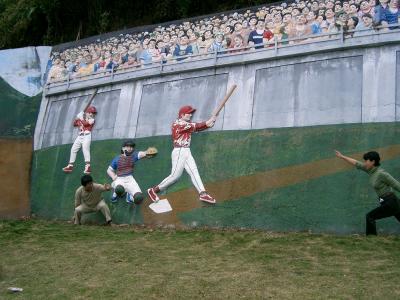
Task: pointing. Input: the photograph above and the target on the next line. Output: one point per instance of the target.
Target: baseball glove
(151, 152)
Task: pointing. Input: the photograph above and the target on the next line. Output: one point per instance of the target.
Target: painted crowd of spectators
(227, 33)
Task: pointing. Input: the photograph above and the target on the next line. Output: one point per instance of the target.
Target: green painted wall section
(335, 203)
(18, 112)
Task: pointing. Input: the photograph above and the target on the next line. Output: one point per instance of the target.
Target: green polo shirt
(380, 180)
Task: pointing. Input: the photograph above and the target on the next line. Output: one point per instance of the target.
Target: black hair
(85, 179)
(373, 156)
(355, 19)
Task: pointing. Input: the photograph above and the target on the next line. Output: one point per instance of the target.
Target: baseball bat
(90, 102)
(222, 103)
(91, 99)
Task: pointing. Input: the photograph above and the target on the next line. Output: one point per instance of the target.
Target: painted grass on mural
(60, 261)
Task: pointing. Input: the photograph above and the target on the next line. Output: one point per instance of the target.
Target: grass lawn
(52, 260)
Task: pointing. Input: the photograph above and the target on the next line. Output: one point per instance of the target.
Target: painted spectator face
(338, 7)
(160, 44)
(350, 23)
(310, 16)
(184, 40)
(329, 13)
(295, 12)
(353, 9)
(277, 18)
(238, 27)
(167, 38)
(330, 4)
(393, 4)
(219, 38)
(287, 18)
(253, 22)
(238, 41)
(301, 20)
(270, 25)
(364, 5)
(192, 38)
(260, 25)
(367, 21)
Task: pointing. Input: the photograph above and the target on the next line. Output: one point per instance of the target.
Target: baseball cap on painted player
(187, 109)
(91, 110)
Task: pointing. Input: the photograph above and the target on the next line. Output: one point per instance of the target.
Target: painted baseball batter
(85, 122)
(121, 171)
(182, 158)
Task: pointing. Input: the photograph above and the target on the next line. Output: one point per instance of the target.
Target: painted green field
(18, 112)
(333, 202)
(53, 260)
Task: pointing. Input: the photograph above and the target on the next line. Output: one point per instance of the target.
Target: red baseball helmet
(91, 110)
(187, 109)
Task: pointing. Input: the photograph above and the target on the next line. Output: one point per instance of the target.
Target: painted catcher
(121, 172)
(85, 122)
(181, 156)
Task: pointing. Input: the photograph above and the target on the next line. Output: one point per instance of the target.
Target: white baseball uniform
(84, 138)
(181, 156)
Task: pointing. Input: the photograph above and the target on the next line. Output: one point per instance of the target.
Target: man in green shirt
(383, 183)
(88, 199)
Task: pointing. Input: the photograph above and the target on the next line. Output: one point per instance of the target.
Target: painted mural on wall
(22, 74)
(21, 77)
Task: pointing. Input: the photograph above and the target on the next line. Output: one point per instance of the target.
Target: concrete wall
(354, 85)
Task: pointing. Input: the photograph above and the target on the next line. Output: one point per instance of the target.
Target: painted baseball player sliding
(121, 172)
(84, 121)
(181, 156)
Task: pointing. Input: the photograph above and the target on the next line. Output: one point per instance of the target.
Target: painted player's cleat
(129, 198)
(153, 195)
(87, 170)
(114, 198)
(206, 198)
(68, 169)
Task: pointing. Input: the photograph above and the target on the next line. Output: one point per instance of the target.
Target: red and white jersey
(85, 125)
(182, 132)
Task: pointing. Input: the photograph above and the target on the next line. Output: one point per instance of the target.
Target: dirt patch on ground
(234, 188)
(15, 163)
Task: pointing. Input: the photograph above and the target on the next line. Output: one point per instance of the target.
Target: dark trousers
(388, 208)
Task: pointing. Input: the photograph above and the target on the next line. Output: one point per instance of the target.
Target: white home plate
(161, 206)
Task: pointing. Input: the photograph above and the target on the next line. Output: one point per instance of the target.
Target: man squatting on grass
(88, 199)
(383, 183)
